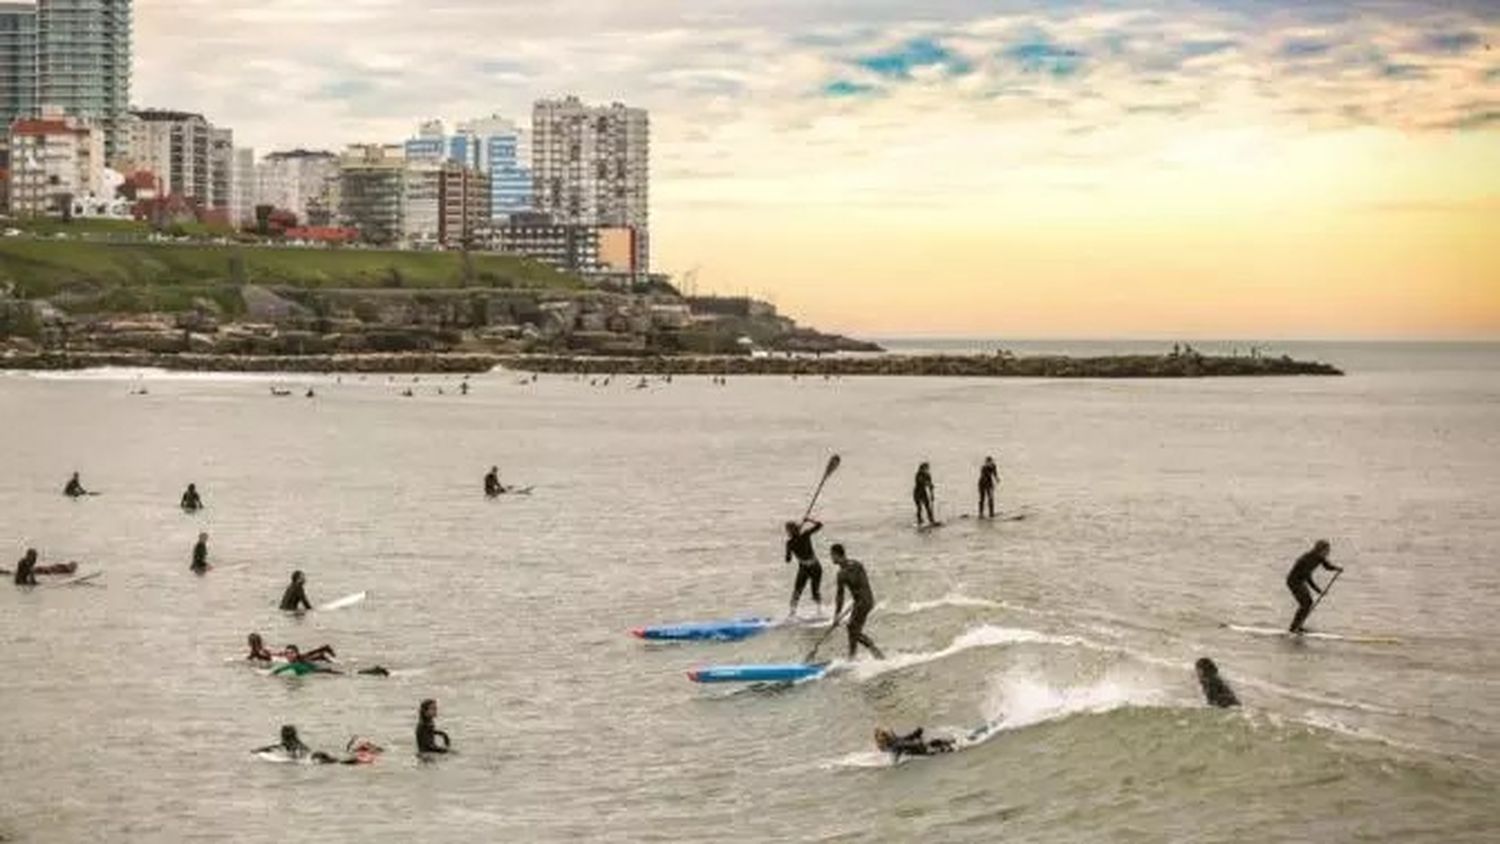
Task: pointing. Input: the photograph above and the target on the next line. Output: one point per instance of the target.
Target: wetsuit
(26, 571)
(302, 667)
(912, 744)
(492, 484)
(200, 557)
(988, 476)
(809, 570)
(852, 577)
(1217, 692)
(427, 733)
(74, 489)
(294, 598)
(1300, 581)
(191, 501)
(921, 494)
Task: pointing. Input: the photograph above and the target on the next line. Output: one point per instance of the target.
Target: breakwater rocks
(968, 366)
(399, 363)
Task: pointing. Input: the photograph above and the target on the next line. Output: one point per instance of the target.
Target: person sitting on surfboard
(74, 489)
(1215, 690)
(852, 577)
(809, 570)
(988, 477)
(26, 569)
(191, 502)
(492, 486)
(1299, 580)
(922, 492)
(293, 747)
(200, 555)
(911, 744)
(427, 731)
(295, 597)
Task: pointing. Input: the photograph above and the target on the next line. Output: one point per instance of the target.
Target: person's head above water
(192, 488)
(203, 536)
(922, 467)
(289, 735)
(30, 555)
(256, 643)
(1321, 547)
(792, 528)
(298, 576)
(884, 738)
(428, 710)
(1206, 667)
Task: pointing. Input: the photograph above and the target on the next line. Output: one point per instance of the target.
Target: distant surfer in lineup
(74, 488)
(191, 502)
(988, 477)
(200, 555)
(911, 744)
(291, 744)
(295, 596)
(492, 486)
(427, 731)
(809, 570)
(1300, 580)
(26, 569)
(258, 650)
(1215, 690)
(852, 577)
(922, 493)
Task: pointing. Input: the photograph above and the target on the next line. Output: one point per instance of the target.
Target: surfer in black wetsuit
(852, 577)
(74, 488)
(492, 485)
(258, 650)
(25, 569)
(427, 731)
(809, 570)
(293, 747)
(911, 744)
(922, 493)
(200, 555)
(1215, 690)
(191, 502)
(988, 477)
(295, 596)
(1300, 580)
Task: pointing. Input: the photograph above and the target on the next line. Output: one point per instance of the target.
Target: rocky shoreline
(995, 366)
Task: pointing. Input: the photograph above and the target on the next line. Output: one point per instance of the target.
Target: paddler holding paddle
(852, 577)
(1300, 580)
(809, 570)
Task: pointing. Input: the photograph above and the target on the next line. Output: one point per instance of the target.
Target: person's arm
(447, 742)
(816, 526)
(1327, 564)
(838, 600)
(302, 598)
(789, 550)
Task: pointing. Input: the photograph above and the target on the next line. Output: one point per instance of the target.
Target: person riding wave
(911, 744)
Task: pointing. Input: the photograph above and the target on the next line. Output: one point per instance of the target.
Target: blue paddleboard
(730, 630)
(772, 673)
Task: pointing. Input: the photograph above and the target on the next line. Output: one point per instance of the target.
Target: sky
(1258, 169)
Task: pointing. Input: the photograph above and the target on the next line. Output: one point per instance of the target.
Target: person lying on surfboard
(1215, 690)
(260, 653)
(295, 596)
(809, 570)
(427, 731)
(1300, 580)
(911, 744)
(74, 489)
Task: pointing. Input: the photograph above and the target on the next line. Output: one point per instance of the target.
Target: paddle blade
(833, 466)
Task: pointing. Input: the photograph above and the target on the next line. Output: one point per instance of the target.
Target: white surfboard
(346, 601)
(74, 581)
(1327, 637)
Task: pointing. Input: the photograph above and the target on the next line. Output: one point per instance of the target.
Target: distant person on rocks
(922, 493)
(853, 578)
(492, 486)
(191, 501)
(200, 555)
(295, 597)
(809, 570)
(1215, 690)
(26, 569)
(427, 731)
(911, 744)
(988, 477)
(1300, 580)
(74, 489)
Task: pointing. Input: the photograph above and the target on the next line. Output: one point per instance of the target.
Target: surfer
(200, 555)
(191, 502)
(852, 577)
(293, 747)
(258, 650)
(295, 596)
(26, 569)
(1300, 580)
(427, 731)
(922, 493)
(911, 744)
(1215, 690)
(809, 570)
(74, 488)
(988, 476)
(492, 485)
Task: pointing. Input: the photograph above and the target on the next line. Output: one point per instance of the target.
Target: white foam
(983, 636)
(952, 599)
(1018, 700)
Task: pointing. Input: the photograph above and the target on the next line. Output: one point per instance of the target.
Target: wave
(983, 636)
(952, 599)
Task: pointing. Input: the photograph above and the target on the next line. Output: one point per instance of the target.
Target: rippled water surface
(1154, 512)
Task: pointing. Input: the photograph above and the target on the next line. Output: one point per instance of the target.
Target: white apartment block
(191, 157)
(54, 160)
(591, 167)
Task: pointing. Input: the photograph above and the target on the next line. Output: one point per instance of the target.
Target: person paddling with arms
(1300, 580)
(852, 577)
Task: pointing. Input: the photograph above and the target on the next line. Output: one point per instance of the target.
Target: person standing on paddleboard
(295, 596)
(809, 570)
(191, 502)
(852, 577)
(988, 477)
(200, 555)
(1300, 580)
(922, 493)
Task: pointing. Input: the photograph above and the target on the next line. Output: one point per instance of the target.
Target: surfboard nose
(639, 632)
(693, 675)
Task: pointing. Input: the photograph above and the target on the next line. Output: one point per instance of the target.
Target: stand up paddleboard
(769, 673)
(729, 630)
(1310, 634)
(346, 601)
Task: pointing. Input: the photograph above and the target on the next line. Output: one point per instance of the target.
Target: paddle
(833, 465)
(1324, 593)
(826, 633)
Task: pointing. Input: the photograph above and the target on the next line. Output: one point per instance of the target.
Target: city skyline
(1164, 169)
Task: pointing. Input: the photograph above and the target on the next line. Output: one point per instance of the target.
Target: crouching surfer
(427, 731)
(911, 744)
(1299, 580)
(1215, 690)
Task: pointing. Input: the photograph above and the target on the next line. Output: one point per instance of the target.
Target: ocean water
(1153, 513)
